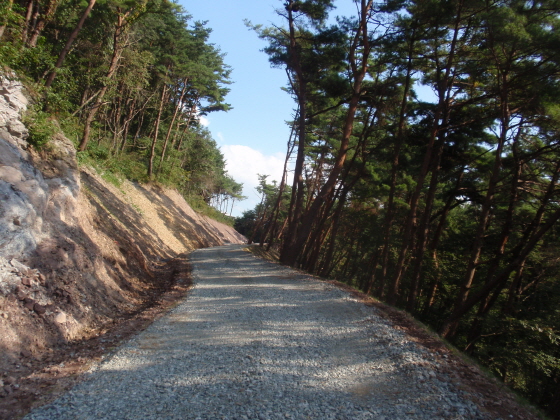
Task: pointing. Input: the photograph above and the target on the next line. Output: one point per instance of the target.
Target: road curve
(254, 340)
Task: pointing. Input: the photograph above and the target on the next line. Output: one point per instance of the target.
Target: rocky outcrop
(18, 178)
(33, 192)
(77, 253)
(13, 103)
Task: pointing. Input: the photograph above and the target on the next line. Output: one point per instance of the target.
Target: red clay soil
(40, 379)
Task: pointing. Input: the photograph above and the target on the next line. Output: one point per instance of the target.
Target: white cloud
(244, 164)
(205, 122)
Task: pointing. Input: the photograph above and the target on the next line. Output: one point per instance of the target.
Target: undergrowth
(114, 169)
(132, 166)
(41, 127)
(200, 206)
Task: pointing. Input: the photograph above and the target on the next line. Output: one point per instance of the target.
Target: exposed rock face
(12, 103)
(77, 253)
(22, 188)
(30, 197)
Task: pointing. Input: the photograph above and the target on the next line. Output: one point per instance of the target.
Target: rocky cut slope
(76, 253)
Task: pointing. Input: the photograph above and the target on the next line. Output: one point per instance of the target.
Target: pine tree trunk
(172, 123)
(71, 39)
(42, 20)
(3, 27)
(389, 215)
(187, 124)
(449, 327)
(327, 260)
(117, 116)
(115, 57)
(443, 87)
(430, 299)
(259, 223)
(529, 240)
(288, 254)
(359, 73)
(315, 251)
(31, 13)
(314, 239)
(156, 132)
(272, 221)
(422, 233)
(519, 255)
(132, 111)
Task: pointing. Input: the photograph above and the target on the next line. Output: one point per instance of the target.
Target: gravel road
(254, 340)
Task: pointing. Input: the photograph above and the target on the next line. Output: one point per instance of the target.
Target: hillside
(78, 255)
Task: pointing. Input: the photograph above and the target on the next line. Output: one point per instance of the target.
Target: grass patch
(116, 168)
(41, 128)
(112, 178)
(138, 209)
(200, 206)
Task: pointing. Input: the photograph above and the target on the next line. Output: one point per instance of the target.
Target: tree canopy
(445, 205)
(129, 81)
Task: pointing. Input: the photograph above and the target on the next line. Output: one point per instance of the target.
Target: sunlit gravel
(255, 340)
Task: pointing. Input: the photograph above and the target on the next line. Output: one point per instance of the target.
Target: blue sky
(253, 135)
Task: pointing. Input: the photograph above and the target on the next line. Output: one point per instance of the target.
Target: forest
(425, 151)
(424, 147)
(128, 82)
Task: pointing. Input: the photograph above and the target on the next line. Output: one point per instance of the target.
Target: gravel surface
(254, 340)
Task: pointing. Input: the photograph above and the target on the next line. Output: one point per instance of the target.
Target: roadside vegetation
(444, 204)
(128, 81)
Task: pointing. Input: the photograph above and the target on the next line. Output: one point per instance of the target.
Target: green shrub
(112, 178)
(41, 128)
(198, 204)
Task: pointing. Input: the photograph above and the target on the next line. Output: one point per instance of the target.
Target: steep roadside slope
(77, 254)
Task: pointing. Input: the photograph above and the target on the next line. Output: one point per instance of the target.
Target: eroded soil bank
(81, 260)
